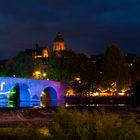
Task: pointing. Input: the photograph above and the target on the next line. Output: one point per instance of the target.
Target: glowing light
(77, 78)
(96, 94)
(70, 92)
(44, 74)
(37, 72)
(121, 93)
(66, 105)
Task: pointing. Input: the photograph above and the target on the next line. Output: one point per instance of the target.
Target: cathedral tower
(59, 44)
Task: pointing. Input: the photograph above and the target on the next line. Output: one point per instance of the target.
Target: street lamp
(37, 74)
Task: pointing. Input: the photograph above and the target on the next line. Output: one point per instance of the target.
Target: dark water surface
(56, 104)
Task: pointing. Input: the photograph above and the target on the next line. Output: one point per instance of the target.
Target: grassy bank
(79, 125)
(96, 125)
(21, 134)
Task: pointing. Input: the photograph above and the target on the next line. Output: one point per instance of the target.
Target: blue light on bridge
(30, 91)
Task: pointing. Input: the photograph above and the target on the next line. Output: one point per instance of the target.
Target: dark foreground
(66, 123)
(26, 117)
(43, 117)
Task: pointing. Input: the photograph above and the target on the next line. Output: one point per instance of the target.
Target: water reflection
(13, 104)
(53, 103)
(95, 105)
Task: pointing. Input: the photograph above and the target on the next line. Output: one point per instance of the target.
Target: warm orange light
(121, 93)
(77, 78)
(37, 72)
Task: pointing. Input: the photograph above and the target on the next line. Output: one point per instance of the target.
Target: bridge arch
(31, 89)
(19, 92)
(48, 96)
(24, 92)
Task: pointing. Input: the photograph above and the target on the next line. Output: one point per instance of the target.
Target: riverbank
(26, 117)
(43, 117)
(66, 123)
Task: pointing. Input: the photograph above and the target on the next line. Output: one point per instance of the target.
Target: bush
(85, 125)
(20, 134)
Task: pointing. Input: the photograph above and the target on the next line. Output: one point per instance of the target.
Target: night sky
(87, 26)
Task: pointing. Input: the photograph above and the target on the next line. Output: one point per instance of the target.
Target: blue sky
(87, 26)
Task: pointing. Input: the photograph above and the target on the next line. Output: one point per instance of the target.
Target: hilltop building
(38, 52)
(44, 52)
(59, 44)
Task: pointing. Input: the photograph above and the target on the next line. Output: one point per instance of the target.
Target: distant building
(39, 53)
(59, 44)
(43, 53)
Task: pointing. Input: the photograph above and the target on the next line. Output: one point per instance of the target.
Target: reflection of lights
(121, 104)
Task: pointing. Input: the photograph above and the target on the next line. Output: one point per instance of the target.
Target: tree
(8, 66)
(63, 65)
(23, 65)
(3, 72)
(115, 71)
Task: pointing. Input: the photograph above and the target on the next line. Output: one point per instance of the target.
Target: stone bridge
(32, 89)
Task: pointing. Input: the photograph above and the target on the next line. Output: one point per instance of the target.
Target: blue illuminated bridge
(32, 90)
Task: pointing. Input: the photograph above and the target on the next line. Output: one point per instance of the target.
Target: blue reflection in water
(11, 104)
(53, 103)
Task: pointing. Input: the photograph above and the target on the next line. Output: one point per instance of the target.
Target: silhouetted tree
(63, 65)
(23, 65)
(114, 68)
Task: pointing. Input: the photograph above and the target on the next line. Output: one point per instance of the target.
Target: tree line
(67, 66)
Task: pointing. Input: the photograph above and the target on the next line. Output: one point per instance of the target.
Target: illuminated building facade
(38, 52)
(59, 44)
(44, 52)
